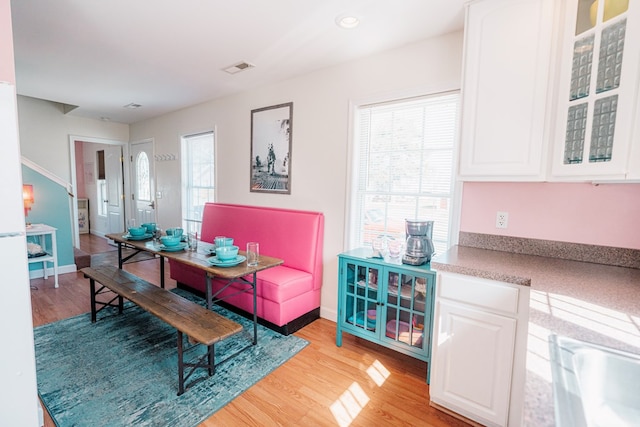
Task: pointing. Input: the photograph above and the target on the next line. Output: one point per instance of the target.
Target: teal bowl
(170, 240)
(174, 231)
(150, 226)
(137, 231)
(227, 253)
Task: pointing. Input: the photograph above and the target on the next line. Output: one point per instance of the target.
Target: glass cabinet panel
(405, 309)
(361, 296)
(593, 93)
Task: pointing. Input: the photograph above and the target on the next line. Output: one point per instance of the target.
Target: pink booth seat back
(292, 235)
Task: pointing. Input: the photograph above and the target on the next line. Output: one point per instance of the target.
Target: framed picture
(271, 149)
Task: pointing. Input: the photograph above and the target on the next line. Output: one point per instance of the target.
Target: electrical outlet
(502, 219)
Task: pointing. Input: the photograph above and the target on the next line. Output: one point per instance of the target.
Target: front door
(115, 188)
(143, 182)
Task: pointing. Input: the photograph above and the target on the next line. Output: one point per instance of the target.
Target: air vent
(240, 66)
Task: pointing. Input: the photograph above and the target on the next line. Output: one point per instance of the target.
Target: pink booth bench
(288, 296)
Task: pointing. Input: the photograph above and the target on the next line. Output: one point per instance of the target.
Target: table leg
(92, 286)
(120, 255)
(161, 271)
(208, 291)
(255, 309)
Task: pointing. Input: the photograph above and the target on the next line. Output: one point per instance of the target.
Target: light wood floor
(358, 384)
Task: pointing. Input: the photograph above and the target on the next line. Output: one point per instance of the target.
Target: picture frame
(271, 143)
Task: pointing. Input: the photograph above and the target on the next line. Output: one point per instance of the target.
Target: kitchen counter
(591, 302)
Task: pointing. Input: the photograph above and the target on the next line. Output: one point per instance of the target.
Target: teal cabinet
(386, 302)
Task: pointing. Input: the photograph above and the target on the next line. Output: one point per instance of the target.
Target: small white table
(41, 231)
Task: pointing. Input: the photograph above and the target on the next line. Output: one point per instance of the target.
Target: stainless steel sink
(594, 385)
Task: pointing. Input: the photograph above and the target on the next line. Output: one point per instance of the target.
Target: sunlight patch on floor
(349, 405)
(378, 373)
(354, 399)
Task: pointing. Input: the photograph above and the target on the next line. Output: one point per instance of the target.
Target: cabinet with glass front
(385, 301)
(598, 89)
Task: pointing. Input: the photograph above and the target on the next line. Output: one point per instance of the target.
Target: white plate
(215, 261)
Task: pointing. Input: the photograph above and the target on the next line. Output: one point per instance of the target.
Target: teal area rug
(122, 370)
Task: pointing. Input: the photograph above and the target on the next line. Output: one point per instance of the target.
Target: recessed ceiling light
(347, 21)
(132, 105)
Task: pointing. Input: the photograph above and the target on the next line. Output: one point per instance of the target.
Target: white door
(115, 188)
(143, 182)
(472, 361)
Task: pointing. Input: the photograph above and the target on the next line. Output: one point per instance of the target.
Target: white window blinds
(404, 167)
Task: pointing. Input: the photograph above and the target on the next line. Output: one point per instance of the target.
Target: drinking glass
(253, 253)
(192, 241)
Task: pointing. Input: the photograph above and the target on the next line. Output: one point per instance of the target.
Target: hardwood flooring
(358, 384)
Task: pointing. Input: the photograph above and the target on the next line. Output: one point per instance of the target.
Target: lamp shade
(27, 197)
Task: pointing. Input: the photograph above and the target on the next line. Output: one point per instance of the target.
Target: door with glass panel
(143, 182)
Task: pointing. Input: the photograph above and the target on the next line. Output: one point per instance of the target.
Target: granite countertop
(592, 302)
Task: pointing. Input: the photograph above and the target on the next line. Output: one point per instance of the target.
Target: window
(403, 168)
(101, 184)
(198, 177)
(143, 177)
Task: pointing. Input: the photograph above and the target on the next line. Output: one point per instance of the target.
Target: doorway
(84, 181)
(143, 182)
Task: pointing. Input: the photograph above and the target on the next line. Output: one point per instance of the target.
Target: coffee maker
(419, 247)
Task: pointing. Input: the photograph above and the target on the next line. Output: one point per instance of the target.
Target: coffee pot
(419, 246)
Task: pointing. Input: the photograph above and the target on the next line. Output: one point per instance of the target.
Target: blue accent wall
(51, 207)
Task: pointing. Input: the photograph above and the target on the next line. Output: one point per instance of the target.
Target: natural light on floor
(351, 402)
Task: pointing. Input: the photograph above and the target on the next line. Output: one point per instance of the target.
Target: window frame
(352, 209)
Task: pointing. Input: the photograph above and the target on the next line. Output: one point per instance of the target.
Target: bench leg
(120, 304)
(92, 286)
(180, 365)
(210, 365)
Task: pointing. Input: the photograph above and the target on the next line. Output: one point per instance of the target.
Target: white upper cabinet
(506, 90)
(597, 132)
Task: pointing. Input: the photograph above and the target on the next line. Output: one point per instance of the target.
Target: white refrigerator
(18, 389)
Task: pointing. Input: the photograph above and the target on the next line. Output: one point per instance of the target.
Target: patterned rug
(122, 370)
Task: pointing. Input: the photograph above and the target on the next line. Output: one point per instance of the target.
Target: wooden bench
(201, 325)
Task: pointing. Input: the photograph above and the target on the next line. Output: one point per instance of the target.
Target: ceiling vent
(240, 66)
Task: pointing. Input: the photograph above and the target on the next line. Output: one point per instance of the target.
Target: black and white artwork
(271, 149)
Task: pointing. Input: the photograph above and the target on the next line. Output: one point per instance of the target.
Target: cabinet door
(406, 315)
(505, 89)
(472, 362)
(598, 90)
(360, 299)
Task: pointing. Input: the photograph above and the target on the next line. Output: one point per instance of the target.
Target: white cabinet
(479, 348)
(506, 91)
(598, 79)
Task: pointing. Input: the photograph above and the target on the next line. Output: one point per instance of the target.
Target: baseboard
(62, 269)
(286, 329)
(455, 414)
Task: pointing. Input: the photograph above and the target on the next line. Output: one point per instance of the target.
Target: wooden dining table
(240, 273)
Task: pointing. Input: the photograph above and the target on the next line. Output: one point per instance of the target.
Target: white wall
(319, 156)
(45, 131)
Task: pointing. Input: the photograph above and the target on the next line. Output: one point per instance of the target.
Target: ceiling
(165, 55)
